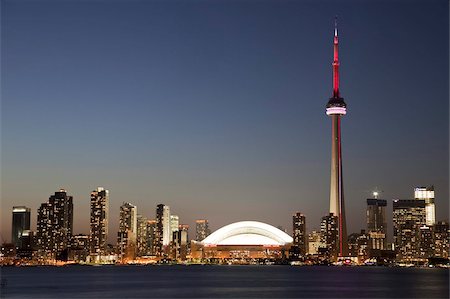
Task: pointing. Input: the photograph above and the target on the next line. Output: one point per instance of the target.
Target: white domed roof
(248, 233)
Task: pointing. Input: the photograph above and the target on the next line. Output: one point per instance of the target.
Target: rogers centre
(243, 240)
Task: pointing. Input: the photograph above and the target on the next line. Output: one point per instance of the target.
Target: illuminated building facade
(126, 237)
(376, 223)
(163, 229)
(99, 223)
(299, 234)
(408, 217)
(180, 243)
(427, 194)
(79, 248)
(20, 227)
(329, 229)
(441, 239)
(358, 244)
(242, 241)
(336, 108)
(201, 229)
(315, 241)
(174, 223)
(55, 226)
(142, 236)
(151, 237)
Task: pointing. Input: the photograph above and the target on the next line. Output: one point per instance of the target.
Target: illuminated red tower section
(336, 108)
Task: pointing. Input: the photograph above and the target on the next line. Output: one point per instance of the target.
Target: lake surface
(223, 282)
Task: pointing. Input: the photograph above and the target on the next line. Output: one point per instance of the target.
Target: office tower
(426, 242)
(151, 230)
(20, 225)
(163, 229)
(174, 223)
(79, 248)
(99, 223)
(299, 232)
(336, 108)
(427, 194)
(408, 217)
(126, 237)
(201, 229)
(376, 223)
(441, 239)
(180, 243)
(55, 226)
(142, 236)
(329, 229)
(358, 244)
(315, 241)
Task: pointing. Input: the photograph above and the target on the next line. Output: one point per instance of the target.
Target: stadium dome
(248, 233)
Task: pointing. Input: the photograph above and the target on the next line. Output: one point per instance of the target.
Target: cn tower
(336, 108)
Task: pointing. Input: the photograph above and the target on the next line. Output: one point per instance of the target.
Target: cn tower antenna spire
(336, 61)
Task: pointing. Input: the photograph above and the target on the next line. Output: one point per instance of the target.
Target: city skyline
(212, 121)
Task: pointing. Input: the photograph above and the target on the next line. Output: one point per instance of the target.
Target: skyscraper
(162, 229)
(427, 194)
(55, 225)
(180, 243)
(201, 229)
(336, 108)
(20, 225)
(441, 239)
(142, 236)
(174, 223)
(99, 223)
(376, 223)
(299, 232)
(329, 229)
(408, 217)
(126, 237)
(151, 231)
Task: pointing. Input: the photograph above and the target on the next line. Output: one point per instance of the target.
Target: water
(223, 282)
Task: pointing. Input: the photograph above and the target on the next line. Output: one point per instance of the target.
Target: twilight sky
(217, 108)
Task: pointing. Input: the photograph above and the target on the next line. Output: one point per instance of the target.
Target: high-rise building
(201, 229)
(180, 243)
(55, 226)
(376, 223)
(427, 194)
(126, 237)
(163, 229)
(408, 217)
(99, 224)
(426, 242)
(329, 229)
(358, 244)
(441, 239)
(79, 248)
(315, 241)
(174, 223)
(336, 108)
(299, 233)
(20, 225)
(151, 231)
(142, 236)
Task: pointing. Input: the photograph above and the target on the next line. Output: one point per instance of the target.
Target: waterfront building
(426, 242)
(408, 217)
(99, 224)
(376, 223)
(79, 249)
(427, 194)
(315, 242)
(243, 241)
(336, 108)
(151, 230)
(142, 236)
(163, 229)
(20, 228)
(55, 226)
(126, 237)
(180, 243)
(174, 223)
(201, 229)
(358, 244)
(441, 239)
(299, 234)
(329, 229)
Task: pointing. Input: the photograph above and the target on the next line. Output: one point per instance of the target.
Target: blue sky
(217, 108)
